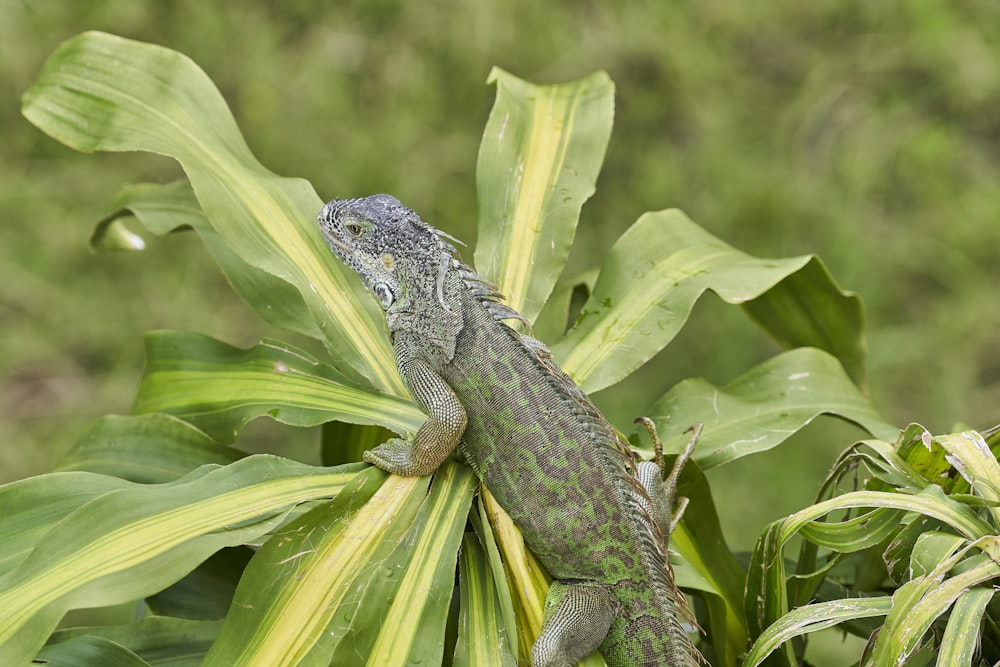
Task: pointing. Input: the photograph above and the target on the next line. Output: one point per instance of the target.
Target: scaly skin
(594, 517)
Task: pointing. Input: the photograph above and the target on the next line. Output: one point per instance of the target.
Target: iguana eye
(354, 228)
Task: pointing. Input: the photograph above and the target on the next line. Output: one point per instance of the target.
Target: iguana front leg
(436, 438)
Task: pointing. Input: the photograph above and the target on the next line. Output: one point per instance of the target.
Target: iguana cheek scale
(595, 517)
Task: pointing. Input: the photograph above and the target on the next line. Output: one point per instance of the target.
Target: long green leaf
(412, 632)
(972, 458)
(91, 651)
(165, 209)
(150, 448)
(538, 162)
(890, 470)
(809, 309)
(482, 633)
(933, 548)
(523, 573)
(159, 640)
(101, 92)
(219, 388)
(207, 591)
(30, 507)
(811, 618)
(860, 532)
(136, 540)
(699, 539)
(766, 599)
(657, 271)
(961, 636)
(931, 502)
(505, 596)
(763, 407)
(292, 590)
(918, 603)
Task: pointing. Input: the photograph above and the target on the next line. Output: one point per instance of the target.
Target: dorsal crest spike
(449, 237)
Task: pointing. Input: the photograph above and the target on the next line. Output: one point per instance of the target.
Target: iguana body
(548, 456)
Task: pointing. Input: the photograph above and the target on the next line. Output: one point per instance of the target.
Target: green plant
(158, 506)
(927, 540)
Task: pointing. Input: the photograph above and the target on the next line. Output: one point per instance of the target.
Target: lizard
(596, 518)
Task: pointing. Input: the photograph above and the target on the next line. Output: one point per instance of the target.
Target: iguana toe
(396, 456)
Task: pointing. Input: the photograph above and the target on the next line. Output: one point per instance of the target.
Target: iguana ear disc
(384, 294)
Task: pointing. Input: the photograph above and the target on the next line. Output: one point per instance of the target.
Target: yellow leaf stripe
(134, 543)
(544, 155)
(249, 387)
(455, 485)
(305, 607)
(104, 92)
(527, 578)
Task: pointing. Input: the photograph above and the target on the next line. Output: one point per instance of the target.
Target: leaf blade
(541, 151)
(482, 632)
(700, 540)
(219, 388)
(160, 640)
(413, 629)
(763, 407)
(643, 296)
(102, 92)
(961, 635)
(150, 448)
(134, 540)
(811, 618)
(289, 594)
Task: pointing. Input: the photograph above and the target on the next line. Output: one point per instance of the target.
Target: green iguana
(594, 517)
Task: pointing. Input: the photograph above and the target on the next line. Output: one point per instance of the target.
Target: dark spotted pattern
(536, 441)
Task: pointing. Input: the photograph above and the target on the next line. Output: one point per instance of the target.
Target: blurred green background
(866, 132)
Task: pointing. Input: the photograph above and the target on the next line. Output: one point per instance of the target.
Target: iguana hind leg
(578, 616)
(667, 509)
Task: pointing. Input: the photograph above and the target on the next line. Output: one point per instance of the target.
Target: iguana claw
(395, 455)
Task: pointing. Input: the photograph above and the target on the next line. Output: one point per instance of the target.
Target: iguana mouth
(337, 245)
(326, 217)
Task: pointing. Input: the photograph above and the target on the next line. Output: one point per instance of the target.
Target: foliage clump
(159, 502)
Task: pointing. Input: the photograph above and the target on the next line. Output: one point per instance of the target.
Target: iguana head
(396, 253)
